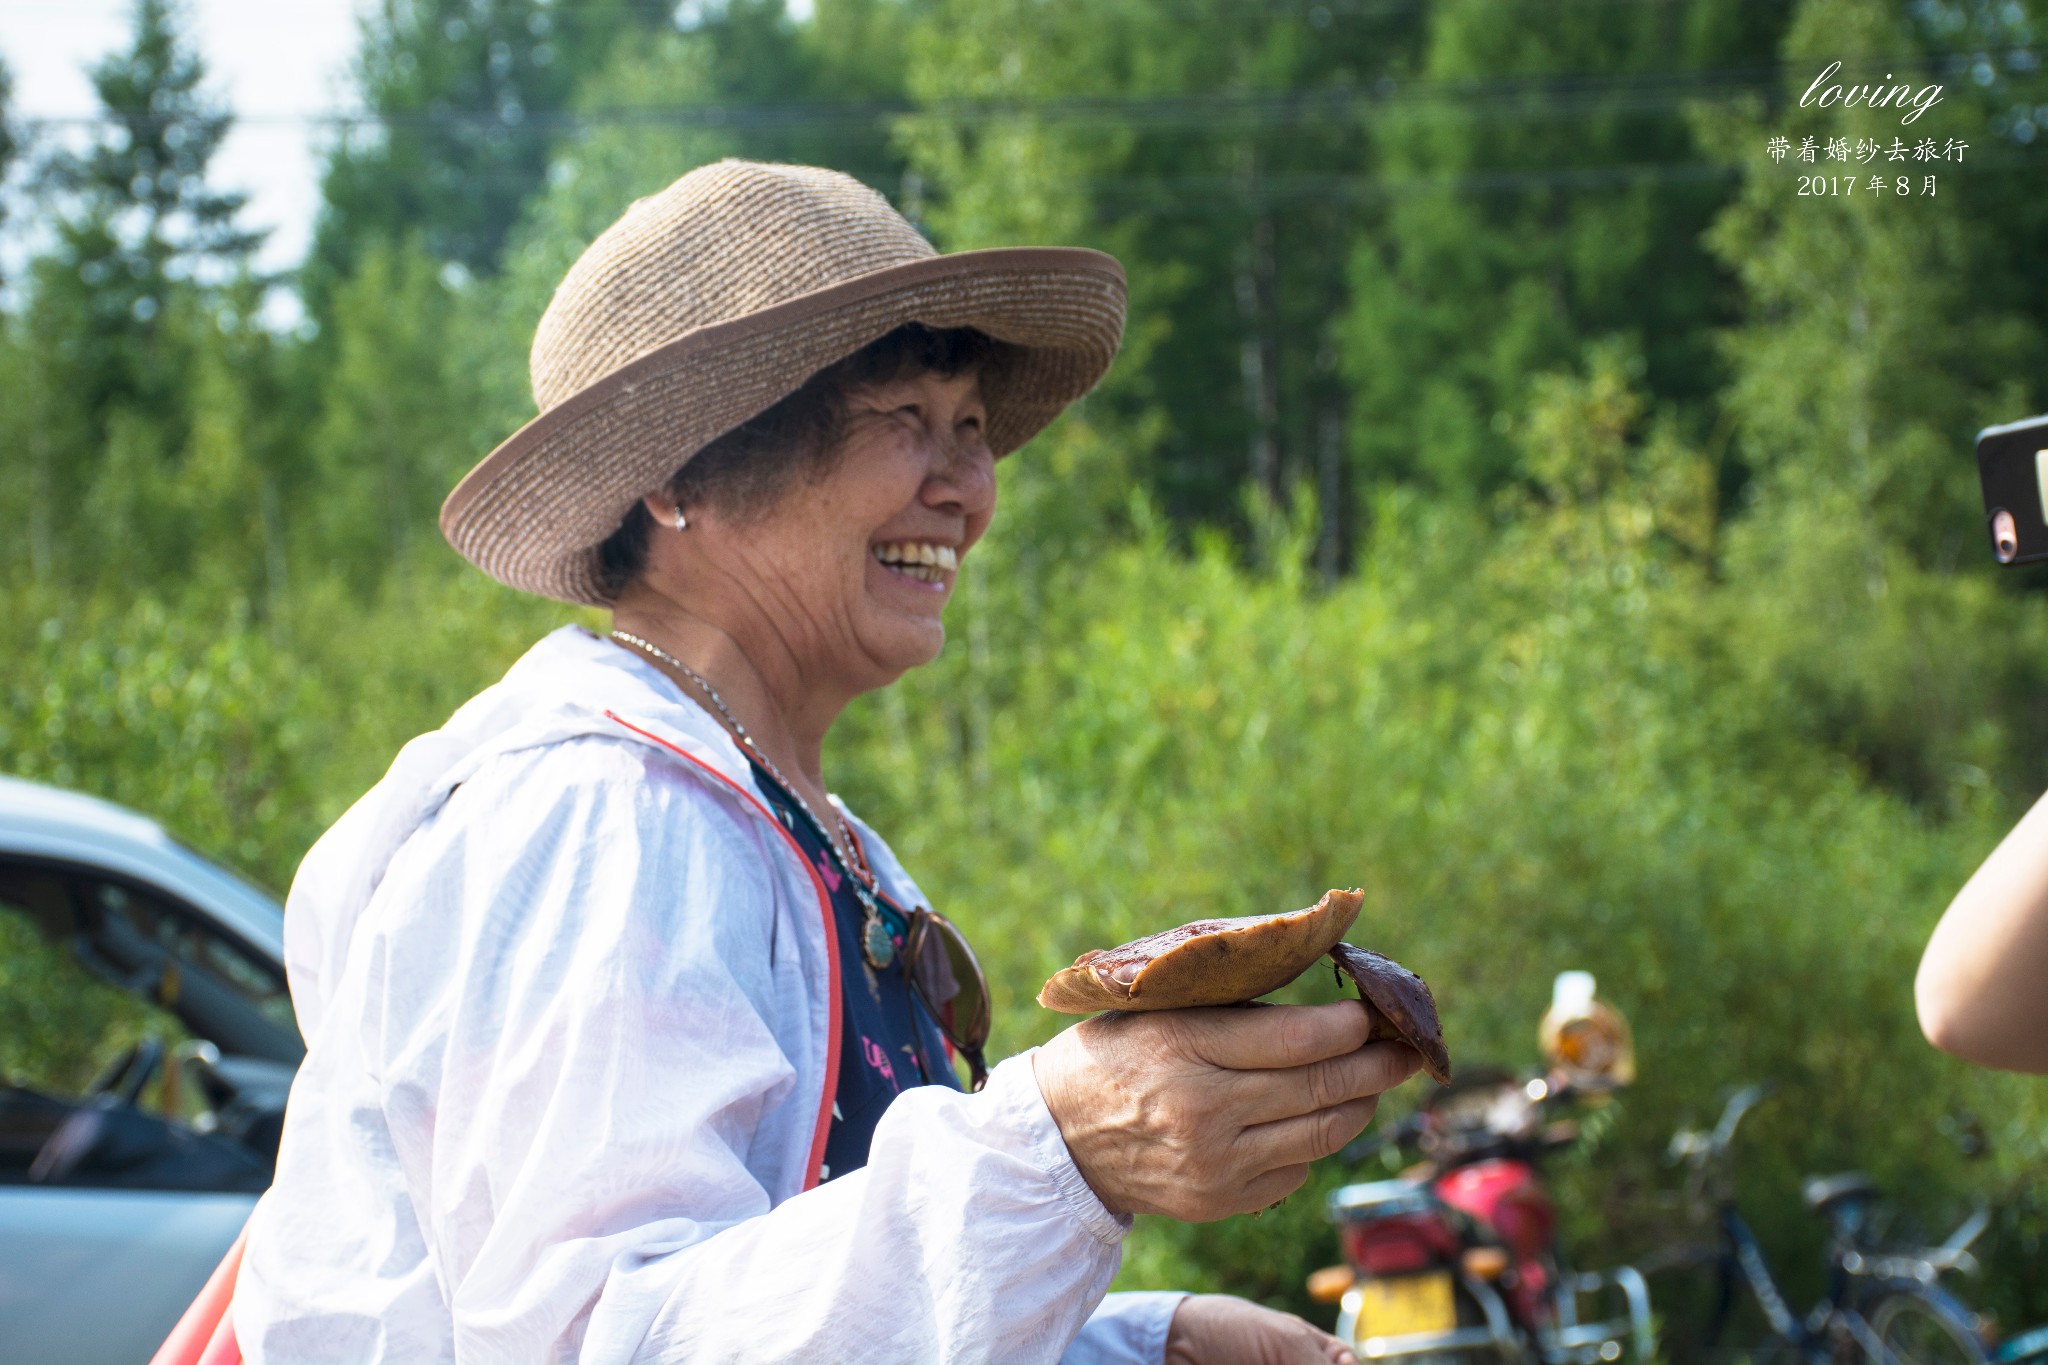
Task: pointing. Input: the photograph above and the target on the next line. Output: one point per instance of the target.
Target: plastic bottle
(1584, 1039)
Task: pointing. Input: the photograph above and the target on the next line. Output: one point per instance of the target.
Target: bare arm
(1982, 991)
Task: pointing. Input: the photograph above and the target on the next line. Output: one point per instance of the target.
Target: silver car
(118, 1197)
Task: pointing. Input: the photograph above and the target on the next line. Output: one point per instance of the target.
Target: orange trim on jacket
(824, 1126)
(205, 1335)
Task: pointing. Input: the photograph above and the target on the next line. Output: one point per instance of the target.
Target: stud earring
(682, 523)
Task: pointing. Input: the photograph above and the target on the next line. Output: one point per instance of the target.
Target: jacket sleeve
(1125, 1329)
(584, 1058)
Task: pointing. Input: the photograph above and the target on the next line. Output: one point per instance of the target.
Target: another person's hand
(1216, 1329)
(1202, 1113)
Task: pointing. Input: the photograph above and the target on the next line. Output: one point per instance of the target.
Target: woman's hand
(1216, 1329)
(1198, 1114)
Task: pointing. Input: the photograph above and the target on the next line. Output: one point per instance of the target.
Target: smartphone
(2012, 465)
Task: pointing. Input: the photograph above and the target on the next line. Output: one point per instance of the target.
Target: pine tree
(151, 167)
(10, 143)
(143, 225)
(144, 257)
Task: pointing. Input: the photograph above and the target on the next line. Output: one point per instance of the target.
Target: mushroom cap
(1401, 1004)
(1208, 962)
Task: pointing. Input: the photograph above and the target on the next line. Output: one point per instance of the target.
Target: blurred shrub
(1539, 739)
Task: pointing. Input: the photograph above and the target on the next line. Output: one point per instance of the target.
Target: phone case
(2012, 466)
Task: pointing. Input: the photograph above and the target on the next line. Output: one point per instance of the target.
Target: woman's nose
(966, 478)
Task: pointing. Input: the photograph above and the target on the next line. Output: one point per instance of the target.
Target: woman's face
(851, 573)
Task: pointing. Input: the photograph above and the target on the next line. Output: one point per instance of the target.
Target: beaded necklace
(876, 945)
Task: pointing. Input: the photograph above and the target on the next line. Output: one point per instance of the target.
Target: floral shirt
(888, 1042)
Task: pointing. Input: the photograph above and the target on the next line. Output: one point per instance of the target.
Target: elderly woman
(626, 1040)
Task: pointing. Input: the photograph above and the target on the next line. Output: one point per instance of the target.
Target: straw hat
(712, 300)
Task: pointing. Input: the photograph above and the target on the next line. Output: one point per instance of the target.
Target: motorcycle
(1458, 1257)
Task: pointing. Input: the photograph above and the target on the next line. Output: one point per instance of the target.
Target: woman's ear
(666, 511)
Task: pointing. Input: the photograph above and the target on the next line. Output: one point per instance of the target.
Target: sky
(274, 62)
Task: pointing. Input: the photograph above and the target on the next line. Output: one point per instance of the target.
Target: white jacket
(571, 1013)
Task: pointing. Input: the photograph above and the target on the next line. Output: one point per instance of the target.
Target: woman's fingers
(1271, 1187)
(1275, 1038)
(1263, 1096)
(1198, 1114)
(1306, 1137)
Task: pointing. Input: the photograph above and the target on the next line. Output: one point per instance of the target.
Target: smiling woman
(745, 471)
(858, 552)
(627, 1041)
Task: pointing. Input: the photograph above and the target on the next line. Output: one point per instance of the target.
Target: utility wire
(1522, 98)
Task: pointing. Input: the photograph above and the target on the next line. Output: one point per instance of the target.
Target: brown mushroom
(1230, 961)
(1208, 962)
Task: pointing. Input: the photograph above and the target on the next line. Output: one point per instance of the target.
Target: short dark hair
(744, 472)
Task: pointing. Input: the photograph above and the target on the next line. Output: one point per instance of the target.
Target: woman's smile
(930, 565)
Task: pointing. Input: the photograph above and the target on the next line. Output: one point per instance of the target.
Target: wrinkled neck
(757, 677)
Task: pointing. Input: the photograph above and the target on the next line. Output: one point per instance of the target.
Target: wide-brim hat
(709, 302)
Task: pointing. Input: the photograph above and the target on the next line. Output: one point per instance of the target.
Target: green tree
(1219, 149)
(821, 92)
(1545, 189)
(144, 253)
(467, 97)
(14, 473)
(742, 80)
(143, 223)
(396, 419)
(1876, 341)
(10, 141)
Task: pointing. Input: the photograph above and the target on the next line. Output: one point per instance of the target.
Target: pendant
(875, 944)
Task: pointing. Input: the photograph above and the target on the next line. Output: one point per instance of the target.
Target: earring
(682, 523)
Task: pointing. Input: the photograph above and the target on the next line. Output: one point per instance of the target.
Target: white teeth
(920, 559)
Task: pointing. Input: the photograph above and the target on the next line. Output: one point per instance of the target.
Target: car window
(161, 955)
(129, 918)
(60, 1022)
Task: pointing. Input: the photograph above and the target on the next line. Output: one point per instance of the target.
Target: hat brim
(533, 512)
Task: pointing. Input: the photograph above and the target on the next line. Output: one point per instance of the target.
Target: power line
(1553, 96)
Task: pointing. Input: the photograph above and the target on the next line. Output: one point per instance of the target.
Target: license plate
(1402, 1307)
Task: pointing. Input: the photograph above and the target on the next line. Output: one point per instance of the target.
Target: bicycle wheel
(1924, 1325)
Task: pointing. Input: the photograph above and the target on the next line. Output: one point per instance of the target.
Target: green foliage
(1870, 348)
(479, 96)
(137, 339)
(1510, 499)
(468, 89)
(1529, 759)
(398, 417)
(1546, 191)
(1219, 150)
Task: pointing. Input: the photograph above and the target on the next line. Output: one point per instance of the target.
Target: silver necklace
(876, 945)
